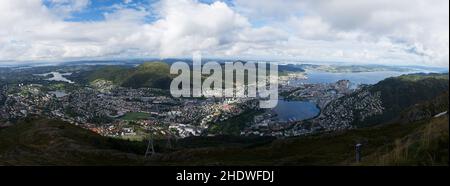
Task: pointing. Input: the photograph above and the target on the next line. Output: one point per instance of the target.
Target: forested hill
(400, 94)
(390, 100)
(148, 75)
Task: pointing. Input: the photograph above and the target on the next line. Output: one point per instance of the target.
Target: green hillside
(401, 93)
(116, 74)
(149, 75)
(45, 142)
(422, 76)
(152, 75)
(331, 149)
(426, 145)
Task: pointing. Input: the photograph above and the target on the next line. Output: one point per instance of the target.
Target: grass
(135, 116)
(48, 142)
(426, 146)
(325, 149)
(137, 138)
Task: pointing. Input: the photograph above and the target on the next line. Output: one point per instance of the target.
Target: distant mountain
(152, 75)
(148, 75)
(290, 68)
(354, 68)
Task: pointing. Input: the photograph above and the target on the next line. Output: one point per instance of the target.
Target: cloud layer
(366, 31)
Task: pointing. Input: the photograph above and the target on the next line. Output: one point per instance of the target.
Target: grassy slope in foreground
(427, 145)
(419, 143)
(48, 142)
(45, 142)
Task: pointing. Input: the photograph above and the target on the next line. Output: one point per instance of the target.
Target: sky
(399, 32)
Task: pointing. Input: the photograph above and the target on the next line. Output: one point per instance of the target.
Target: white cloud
(312, 27)
(269, 9)
(419, 24)
(402, 31)
(188, 26)
(185, 26)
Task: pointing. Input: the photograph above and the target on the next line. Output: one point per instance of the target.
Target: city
(254, 85)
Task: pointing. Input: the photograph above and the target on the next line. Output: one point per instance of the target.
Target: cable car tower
(150, 146)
